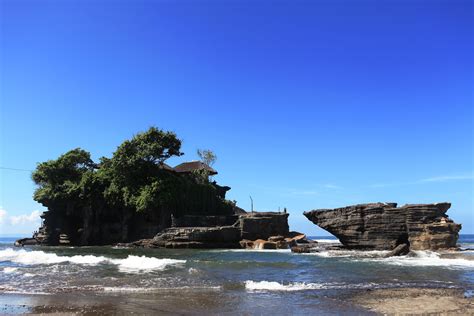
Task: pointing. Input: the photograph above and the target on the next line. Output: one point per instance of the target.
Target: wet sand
(174, 303)
(401, 301)
(416, 301)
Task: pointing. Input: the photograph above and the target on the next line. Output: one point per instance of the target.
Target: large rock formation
(218, 231)
(134, 195)
(193, 237)
(385, 226)
(101, 224)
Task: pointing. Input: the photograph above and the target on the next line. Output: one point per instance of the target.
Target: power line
(15, 169)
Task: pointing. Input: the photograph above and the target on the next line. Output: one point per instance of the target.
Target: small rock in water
(400, 250)
(304, 248)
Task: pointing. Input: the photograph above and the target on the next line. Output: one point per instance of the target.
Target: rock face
(99, 224)
(26, 242)
(263, 225)
(254, 225)
(194, 237)
(384, 226)
(400, 250)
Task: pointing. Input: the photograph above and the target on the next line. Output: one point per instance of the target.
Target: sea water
(218, 281)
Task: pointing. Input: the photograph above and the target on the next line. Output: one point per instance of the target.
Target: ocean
(150, 281)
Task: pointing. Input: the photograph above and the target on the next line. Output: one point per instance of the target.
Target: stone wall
(263, 225)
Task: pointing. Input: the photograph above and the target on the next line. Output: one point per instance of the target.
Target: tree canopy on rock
(134, 178)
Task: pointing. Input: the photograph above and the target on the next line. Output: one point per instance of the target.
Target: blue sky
(307, 104)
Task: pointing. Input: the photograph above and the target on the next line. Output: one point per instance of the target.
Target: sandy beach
(416, 301)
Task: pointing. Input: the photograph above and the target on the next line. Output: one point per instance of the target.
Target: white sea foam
(253, 250)
(129, 264)
(275, 286)
(127, 289)
(40, 257)
(142, 263)
(9, 270)
(327, 241)
(349, 253)
(24, 292)
(301, 286)
(415, 258)
(428, 259)
(259, 286)
(193, 271)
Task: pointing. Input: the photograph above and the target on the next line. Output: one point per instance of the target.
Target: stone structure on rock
(384, 226)
(220, 231)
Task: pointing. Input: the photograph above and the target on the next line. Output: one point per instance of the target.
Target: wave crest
(429, 259)
(129, 264)
(275, 286)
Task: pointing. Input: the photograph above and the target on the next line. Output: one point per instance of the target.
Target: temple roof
(166, 167)
(193, 166)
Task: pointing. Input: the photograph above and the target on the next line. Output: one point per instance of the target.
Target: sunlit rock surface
(384, 226)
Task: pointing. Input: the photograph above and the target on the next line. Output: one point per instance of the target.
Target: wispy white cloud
(459, 177)
(449, 178)
(25, 218)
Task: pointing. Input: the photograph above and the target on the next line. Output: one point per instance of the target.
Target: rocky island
(135, 199)
(384, 226)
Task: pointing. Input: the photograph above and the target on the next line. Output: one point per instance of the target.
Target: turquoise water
(222, 281)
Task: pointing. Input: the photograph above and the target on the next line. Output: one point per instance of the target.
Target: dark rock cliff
(101, 224)
(385, 226)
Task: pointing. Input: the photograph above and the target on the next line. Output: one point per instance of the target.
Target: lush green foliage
(60, 180)
(133, 178)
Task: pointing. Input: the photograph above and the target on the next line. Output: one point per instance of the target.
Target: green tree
(137, 164)
(60, 180)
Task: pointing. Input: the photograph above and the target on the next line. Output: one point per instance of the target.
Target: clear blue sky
(308, 104)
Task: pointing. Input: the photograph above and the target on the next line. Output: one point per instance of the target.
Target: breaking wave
(415, 258)
(275, 286)
(129, 264)
(349, 253)
(260, 286)
(9, 270)
(429, 259)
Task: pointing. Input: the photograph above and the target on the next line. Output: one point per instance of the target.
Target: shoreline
(391, 301)
(402, 301)
(357, 284)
